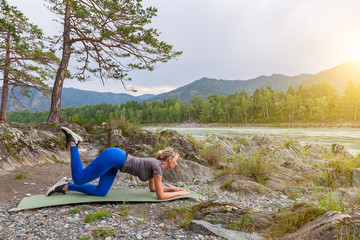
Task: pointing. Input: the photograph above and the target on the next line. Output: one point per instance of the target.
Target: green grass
(227, 184)
(56, 160)
(12, 149)
(183, 214)
(20, 175)
(291, 219)
(124, 211)
(74, 211)
(327, 202)
(96, 216)
(103, 232)
(337, 172)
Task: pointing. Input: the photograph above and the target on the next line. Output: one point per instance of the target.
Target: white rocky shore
(286, 181)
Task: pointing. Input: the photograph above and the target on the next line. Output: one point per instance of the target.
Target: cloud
(240, 39)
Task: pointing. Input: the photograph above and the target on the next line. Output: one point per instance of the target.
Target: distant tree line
(316, 103)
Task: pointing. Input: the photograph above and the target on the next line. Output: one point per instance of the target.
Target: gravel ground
(144, 221)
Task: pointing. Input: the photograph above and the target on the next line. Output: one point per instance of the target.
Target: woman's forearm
(166, 195)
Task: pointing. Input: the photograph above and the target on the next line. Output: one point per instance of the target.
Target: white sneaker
(58, 187)
(71, 136)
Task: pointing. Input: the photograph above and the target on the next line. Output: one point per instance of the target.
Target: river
(349, 137)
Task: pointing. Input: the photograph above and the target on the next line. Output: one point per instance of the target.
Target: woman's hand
(183, 192)
(179, 190)
(165, 192)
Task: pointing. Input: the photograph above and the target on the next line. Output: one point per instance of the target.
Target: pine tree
(24, 60)
(109, 39)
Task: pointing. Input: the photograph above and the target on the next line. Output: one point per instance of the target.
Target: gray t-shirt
(144, 168)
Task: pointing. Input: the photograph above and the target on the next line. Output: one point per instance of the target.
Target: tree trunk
(355, 111)
(55, 110)
(5, 90)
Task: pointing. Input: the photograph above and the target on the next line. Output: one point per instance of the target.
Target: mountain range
(338, 76)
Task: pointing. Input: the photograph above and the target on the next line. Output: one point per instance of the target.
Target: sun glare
(354, 53)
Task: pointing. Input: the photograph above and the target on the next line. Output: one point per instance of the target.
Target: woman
(106, 165)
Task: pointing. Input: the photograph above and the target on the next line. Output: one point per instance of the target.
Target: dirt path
(39, 178)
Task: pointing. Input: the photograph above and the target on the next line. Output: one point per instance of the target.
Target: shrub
(213, 154)
(257, 166)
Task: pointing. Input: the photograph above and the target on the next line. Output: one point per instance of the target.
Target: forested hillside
(71, 97)
(339, 76)
(319, 102)
(206, 86)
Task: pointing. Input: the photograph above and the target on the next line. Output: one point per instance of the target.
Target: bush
(213, 154)
(257, 166)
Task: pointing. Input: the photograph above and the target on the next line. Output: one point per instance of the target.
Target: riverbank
(258, 125)
(268, 186)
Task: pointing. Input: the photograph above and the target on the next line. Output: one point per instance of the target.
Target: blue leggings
(104, 166)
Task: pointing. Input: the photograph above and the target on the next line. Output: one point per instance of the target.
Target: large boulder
(206, 228)
(179, 142)
(224, 143)
(187, 171)
(316, 151)
(116, 138)
(24, 145)
(233, 217)
(242, 184)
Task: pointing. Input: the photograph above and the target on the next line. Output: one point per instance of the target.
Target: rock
(234, 216)
(187, 171)
(139, 150)
(195, 158)
(340, 150)
(21, 144)
(287, 155)
(330, 225)
(187, 149)
(225, 145)
(116, 138)
(206, 228)
(316, 151)
(241, 184)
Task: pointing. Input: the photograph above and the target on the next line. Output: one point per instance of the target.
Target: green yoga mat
(128, 195)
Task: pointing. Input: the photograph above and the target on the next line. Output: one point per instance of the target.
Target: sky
(234, 39)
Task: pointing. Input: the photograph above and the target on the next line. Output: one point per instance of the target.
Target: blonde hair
(166, 153)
